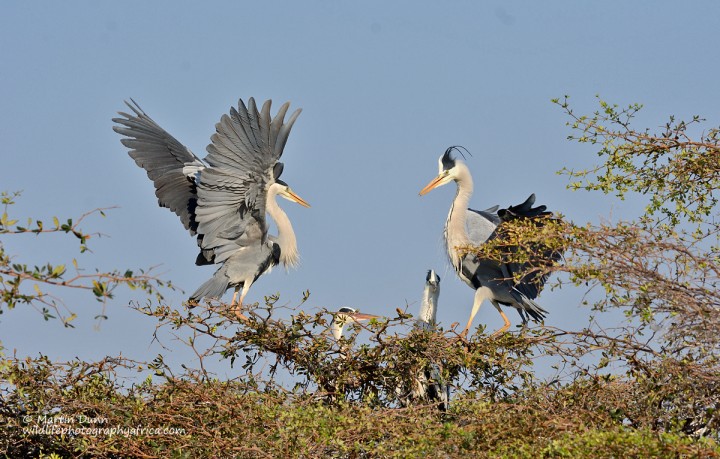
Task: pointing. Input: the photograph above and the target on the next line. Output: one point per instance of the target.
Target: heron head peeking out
(344, 316)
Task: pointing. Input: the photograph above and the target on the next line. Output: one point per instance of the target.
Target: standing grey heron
(503, 283)
(344, 316)
(223, 198)
(429, 384)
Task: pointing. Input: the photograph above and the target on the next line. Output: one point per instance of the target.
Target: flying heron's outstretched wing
(168, 163)
(242, 163)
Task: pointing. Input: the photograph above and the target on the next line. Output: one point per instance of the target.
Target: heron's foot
(237, 310)
(500, 332)
(461, 337)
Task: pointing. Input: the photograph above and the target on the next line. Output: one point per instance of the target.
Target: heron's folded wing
(480, 224)
(527, 277)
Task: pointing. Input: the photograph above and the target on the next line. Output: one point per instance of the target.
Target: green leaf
(99, 288)
(58, 270)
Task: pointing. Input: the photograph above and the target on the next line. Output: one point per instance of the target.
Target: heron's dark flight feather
(164, 159)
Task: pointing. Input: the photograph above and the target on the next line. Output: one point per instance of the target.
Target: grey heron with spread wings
(223, 199)
(503, 283)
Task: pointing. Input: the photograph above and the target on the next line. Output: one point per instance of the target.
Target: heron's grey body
(241, 268)
(491, 279)
(429, 383)
(223, 199)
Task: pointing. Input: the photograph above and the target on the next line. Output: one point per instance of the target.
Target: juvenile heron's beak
(441, 179)
(358, 316)
(290, 195)
(344, 318)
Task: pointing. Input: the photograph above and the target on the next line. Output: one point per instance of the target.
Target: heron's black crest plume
(427, 279)
(448, 161)
(277, 170)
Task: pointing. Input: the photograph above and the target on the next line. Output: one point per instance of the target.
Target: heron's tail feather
(213, 288)
(530, 307)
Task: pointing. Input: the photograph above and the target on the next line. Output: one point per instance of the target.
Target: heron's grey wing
(512, 283)
(232, 191)
(168, 163)
(229, 214)
(481, 224)
(531, 279)
(250, 141)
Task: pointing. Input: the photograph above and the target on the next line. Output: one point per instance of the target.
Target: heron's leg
(480, 295)
(238, 308)
(507, 321)
(234, 295)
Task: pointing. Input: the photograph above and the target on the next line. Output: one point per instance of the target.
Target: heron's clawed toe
(241, 317)
(460, 338)
(237, 310)
(500, 332)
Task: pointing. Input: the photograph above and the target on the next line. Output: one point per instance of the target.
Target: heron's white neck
(336, 329)
(455, 228)
(338, 325)
(289, 255)
(428, 308)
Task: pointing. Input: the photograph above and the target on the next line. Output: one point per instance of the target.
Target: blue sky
(385, 87)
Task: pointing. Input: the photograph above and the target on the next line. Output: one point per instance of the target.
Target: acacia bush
(188, 416)
(41, 287)
(646, 387)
